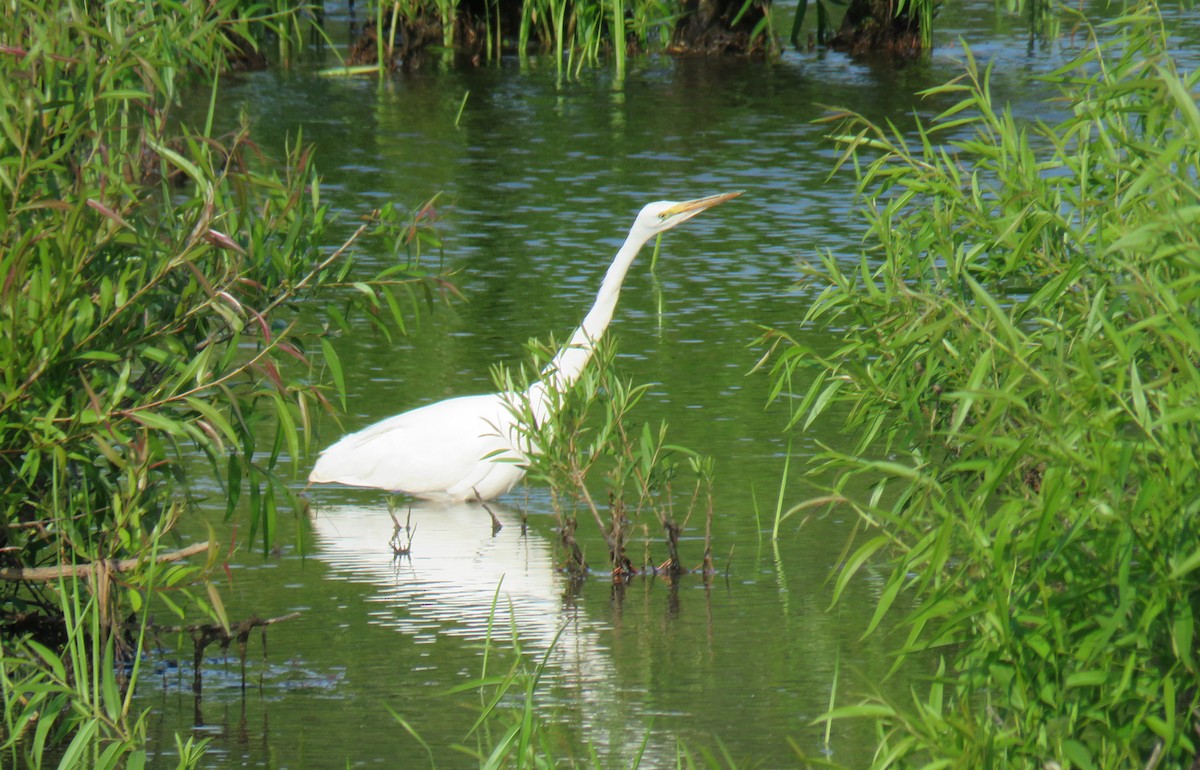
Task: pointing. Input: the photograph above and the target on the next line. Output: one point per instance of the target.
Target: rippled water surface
(538, 183)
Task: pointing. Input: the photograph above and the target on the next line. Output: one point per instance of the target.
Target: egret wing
(423, 452)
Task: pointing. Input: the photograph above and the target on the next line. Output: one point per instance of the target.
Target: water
(538, 182)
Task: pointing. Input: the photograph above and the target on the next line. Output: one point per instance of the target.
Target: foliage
(78, 698)
(577, 33)
(1041, 14)
(587, 442)
(582, 32)
(869, 26)
(150, 320)
(1019, 368)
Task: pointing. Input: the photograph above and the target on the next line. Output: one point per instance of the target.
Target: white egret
(469, 448)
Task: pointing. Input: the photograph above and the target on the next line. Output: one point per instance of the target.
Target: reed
(73, 703)
(1018, 364)
(572, 34)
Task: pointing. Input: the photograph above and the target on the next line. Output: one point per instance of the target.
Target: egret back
(458, 449)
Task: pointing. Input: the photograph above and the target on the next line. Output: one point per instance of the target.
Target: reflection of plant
(825, 28)
(1019, 366)
(1044, 22)
(586, 440)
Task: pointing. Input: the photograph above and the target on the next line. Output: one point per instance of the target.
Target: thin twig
(1155, 755)
(46, 574)
(587, 498)
(219, 631)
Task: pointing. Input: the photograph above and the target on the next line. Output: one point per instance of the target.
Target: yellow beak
(699, 204)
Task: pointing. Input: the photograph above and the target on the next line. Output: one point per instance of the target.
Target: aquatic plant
(72, 701)
(1019, 368)
(574, 32)
(904, 27)
(587, 450)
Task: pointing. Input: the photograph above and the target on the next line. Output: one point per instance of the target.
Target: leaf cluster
(584, 442)
(156, 312)
(1019, 372)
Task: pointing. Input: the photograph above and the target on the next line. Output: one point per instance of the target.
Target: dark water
(539, 182)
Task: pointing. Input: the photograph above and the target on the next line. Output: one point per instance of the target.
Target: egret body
(469, 448)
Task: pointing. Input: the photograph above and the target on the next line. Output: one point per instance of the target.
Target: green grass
(573, 33)
(1020, 370)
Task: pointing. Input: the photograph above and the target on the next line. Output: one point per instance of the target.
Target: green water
(539, 183)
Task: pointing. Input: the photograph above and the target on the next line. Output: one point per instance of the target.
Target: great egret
(470, 448)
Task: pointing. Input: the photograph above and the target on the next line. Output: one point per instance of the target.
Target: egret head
(661, 216)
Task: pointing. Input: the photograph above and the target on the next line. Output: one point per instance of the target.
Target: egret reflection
(446, 579)
(446, 584)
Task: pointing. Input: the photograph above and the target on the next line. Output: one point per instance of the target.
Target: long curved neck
(566, 367)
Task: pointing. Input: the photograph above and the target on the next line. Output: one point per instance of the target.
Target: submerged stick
(204, 634)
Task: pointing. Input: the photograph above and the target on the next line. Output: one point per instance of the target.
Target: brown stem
(46, 574)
